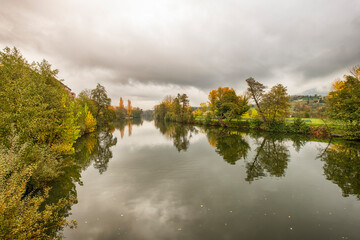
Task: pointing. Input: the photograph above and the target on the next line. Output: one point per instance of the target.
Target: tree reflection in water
(122, 123)
(229, 144)
(102, 153)
(342, 167)
(91, 148)
(178, 133)
(271, 155)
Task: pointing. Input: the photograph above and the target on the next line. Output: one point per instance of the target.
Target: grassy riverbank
(312, 126)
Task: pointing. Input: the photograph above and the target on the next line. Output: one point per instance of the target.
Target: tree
(276, 103)
(271, 106)
(184, 100)
(129, 108)
(227, 104)
(203, 107)
(35, 104)
(99, 96)
(84, 98)
(254, 114)
(121, 104)
(256, 91)
(160, 111)
(90, 123)
(212, 99)
(137, 112)
(104, 114)
(174, 109)
(344, 101)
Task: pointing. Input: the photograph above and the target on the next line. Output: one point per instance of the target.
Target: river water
(167, 181)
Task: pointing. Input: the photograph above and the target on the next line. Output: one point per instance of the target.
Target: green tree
(174, 109)
(272, 106)
(344, 101)
(35, 104)
(160, 111)
(227, 104)
(104, 115)
(84, 98)
(137, 112)
(276, 103)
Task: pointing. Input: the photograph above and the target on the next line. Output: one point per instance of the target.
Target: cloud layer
(144, 50)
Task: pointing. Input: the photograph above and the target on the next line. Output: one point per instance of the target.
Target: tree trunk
(258, 106)
(222, 122)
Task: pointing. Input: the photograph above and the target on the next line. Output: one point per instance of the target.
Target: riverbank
(314, 127)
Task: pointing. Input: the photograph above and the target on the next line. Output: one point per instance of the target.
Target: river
(168, 181)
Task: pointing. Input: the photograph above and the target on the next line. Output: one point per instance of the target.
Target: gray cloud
(190, 45)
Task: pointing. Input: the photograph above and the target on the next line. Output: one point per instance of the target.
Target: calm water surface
(157, 181)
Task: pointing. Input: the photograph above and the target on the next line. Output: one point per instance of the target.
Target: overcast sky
(143, 50)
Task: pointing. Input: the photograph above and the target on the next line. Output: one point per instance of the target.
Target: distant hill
(314, 91)
(308, 106)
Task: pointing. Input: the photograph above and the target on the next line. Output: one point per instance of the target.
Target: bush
(299, 126)
(276, 126)
(23, 214)
(208, 119)
(256, 123)
(319, 132)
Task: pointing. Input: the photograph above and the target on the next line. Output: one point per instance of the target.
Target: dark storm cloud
(199, 44)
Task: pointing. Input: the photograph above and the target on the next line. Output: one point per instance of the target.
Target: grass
(309, 121)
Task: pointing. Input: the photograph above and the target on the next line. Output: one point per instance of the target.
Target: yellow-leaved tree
(90, 123)
(129, 108)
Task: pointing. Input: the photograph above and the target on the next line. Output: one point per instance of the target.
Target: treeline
(308, 106)
(175, 109)
(127, 112)
(40, 120)
(272, 108)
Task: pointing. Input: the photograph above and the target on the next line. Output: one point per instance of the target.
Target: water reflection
(271, 153)
(121, 124)
(272, 156)
(153, 192)
(231, 145)
(102, 153)
(91, 148)
(342, 167)
(178, 133)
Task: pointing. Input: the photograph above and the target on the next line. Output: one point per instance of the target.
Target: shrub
(256, 123)
(23, 214)
(299, 126)
(276, 126)
(319, 131)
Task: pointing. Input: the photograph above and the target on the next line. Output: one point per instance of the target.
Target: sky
(144, 50)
